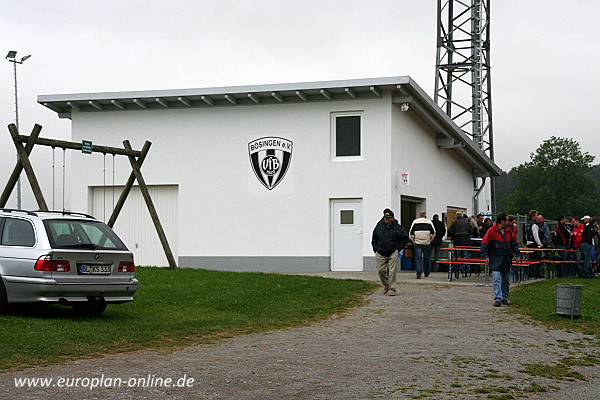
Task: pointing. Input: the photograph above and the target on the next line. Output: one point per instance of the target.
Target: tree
(595, 174)
(554, 182)
(504, 185)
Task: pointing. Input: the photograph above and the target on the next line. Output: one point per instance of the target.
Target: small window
(347, 135)
(18, 232)
(347, 217)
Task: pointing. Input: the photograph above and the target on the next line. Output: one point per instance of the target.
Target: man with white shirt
(541, 236)
(421, 234)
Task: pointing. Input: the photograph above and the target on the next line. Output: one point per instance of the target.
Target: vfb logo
(270, 159)
(270, 165)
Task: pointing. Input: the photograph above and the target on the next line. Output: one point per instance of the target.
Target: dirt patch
(432, 341)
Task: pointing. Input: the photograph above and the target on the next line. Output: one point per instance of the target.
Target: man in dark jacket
(388, 239)
(561, 240)
(497, 248)
(436, 244)
(587, 237)
(528, 233)
(529, 241)
(460, 232)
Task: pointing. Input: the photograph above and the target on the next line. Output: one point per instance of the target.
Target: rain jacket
(440, 231)
(387, 239)
(499, 246)
(460, 232)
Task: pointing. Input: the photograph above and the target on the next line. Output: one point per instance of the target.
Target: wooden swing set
(136, 159)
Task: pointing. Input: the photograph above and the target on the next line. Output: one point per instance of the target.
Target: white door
(134, 225)
(346, 235)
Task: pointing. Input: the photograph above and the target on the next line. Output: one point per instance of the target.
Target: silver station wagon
(63, 258)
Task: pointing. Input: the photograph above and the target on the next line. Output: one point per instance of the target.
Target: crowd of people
(498, 243)
(569, 233)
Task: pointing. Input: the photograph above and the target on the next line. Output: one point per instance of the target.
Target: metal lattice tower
(463, 78)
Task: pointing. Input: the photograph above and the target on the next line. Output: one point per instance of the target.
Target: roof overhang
(448, 134)
(403, 89)
(65, 104)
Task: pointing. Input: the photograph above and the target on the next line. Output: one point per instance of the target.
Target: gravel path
(432, 341)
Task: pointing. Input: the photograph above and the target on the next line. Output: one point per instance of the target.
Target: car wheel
(95, 308)
(3, 297)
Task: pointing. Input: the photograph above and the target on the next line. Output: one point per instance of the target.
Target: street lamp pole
(11, 57)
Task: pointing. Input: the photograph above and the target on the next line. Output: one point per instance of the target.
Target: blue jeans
(423, 258)
(464, 254)
(501, 283)
(586, 254)
(436, 258)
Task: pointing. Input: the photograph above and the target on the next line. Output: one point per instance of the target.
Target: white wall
(134, 225)
(204, 151)
(223, 209)
(438, 175)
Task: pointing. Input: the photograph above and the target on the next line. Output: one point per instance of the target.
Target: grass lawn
(174, 307)
(537, 300)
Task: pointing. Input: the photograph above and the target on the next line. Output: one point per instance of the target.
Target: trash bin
(568, 299)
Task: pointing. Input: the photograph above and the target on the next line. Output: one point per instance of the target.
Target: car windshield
(82, 234)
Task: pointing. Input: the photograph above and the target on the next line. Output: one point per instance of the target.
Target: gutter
(476, 195)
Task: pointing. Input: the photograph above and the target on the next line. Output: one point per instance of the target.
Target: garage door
(134, 225)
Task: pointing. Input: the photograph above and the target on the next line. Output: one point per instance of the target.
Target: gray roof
(403, 88)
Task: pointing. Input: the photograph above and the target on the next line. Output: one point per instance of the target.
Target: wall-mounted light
(404, 107)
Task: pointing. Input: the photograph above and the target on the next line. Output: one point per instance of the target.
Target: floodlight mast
(463, 86)
(11, 57)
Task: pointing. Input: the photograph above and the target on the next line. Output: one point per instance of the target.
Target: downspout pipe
(476, 196)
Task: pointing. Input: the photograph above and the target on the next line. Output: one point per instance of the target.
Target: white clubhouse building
(284, 177)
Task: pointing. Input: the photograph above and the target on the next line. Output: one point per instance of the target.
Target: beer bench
(521, 269)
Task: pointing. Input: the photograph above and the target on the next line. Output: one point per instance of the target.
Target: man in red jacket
(497, 248)
(576, 235)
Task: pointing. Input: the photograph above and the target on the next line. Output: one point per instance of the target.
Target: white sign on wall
(405, 181)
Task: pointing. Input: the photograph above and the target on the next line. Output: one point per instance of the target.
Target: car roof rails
(71, 213)
(11, 210)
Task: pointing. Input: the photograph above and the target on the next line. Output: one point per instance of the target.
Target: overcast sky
(545, 56)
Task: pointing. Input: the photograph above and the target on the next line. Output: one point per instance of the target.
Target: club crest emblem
(270, 158)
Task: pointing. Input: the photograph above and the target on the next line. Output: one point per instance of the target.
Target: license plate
(95, 269)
